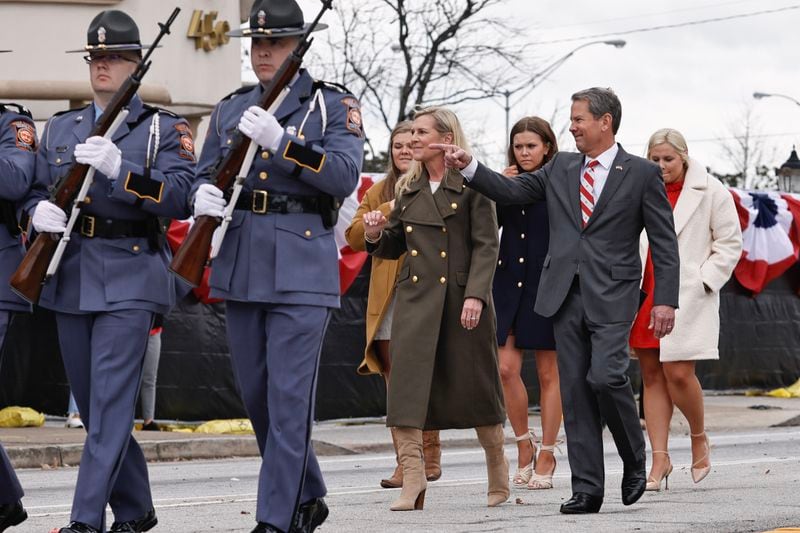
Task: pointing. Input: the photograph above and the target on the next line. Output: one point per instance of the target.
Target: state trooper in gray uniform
(17, 160)
(113, 276)
(278, 265)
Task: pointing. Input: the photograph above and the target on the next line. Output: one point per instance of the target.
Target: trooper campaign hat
(111, 31)
(273, 19)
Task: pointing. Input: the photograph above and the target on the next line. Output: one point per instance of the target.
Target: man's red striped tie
(587, 191)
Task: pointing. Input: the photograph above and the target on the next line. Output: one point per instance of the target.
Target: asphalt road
(754, 486)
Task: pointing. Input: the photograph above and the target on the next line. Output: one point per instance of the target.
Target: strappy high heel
(698, 474)
(655, 484)
(523, 475)
(544, 481)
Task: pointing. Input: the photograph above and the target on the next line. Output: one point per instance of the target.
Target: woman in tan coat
(709, 245)
(444, 351)
(380, 302)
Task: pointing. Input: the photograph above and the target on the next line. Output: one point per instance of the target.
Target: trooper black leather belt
(110, 228)
(262, 202)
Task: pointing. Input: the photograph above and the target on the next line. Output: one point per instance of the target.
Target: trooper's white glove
(261, 126)
(100, 153)
(49, 218)
(208, 201)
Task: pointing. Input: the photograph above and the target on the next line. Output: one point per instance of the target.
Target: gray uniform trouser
(103, 355)
(592, 361)
(10, 489)
(275, 353)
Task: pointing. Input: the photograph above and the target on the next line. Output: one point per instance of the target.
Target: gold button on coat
(264, 155)
(228, 141)
(444, 230)
(414, 253)
(522, 236)
(442, 280)
(409, 229)
(87, 200)
(135, 247)
(414, 279)
(519, 284)
(58, 160)
(454, 205)
(262, 175)
(443, 254)
(521, 259)
(307, 233)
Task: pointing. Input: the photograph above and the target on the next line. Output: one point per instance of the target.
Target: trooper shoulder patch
(353, 119)
(185, 141)
(24, 135)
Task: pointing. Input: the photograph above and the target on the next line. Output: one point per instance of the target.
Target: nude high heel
(654, 484)
(523, 475)
(409, 448)
(492, 440)
(698, 474)
(544, 481)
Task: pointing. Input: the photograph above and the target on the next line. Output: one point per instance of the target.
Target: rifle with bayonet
(204, 240)
(44, 256)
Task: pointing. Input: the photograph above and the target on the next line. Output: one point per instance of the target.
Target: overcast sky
(697, 79)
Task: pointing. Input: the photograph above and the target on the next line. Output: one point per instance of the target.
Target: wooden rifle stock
(30, 276)
(192, 256)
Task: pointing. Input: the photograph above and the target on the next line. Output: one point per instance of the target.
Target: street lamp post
(758, 96)
(540, 76)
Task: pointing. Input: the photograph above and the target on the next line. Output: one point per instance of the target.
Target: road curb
(55, 456)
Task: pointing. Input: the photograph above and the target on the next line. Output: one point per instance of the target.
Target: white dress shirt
(600, 172)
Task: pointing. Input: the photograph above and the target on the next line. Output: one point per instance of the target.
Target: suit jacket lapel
(84, 123)
(573, 189)
(299, 92)
(618, 171)
(136, 109)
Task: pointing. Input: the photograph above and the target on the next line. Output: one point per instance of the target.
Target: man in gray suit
(598, 202)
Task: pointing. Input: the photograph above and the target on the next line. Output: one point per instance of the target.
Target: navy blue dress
(523, 247)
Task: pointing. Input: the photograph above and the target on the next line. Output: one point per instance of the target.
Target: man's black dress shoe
(78, 527)
(310, 516)
(582, 503)
(11, 514)
(634, 481)
(263, 527)
(144, 523)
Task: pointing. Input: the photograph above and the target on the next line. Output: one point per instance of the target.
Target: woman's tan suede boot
(409, 448)
(492, 440)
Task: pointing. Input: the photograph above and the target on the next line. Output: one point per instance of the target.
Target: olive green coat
(443, 376)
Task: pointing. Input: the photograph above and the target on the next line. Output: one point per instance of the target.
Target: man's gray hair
(602, 101)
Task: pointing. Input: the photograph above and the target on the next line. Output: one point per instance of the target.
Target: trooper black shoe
(78, 527)
(582, 503)
(263, 527)
(144, 523)
(634, 481)
(309, 516)
(12, 514)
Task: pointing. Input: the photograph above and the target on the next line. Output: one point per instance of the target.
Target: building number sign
(207, 32)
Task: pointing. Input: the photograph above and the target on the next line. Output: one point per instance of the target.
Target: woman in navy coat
(523, 247)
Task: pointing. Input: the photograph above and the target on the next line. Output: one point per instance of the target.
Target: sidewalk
(53, 445)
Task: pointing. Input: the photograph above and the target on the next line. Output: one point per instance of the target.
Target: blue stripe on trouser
(103, 355)
(275, 354)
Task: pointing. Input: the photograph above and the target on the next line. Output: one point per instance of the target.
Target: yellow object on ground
(237, 426)
(792, 391)
(20, 417)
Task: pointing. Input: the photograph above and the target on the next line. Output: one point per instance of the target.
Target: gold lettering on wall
(207, 33)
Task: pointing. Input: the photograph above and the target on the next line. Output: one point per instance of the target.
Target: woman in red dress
(709, 245)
